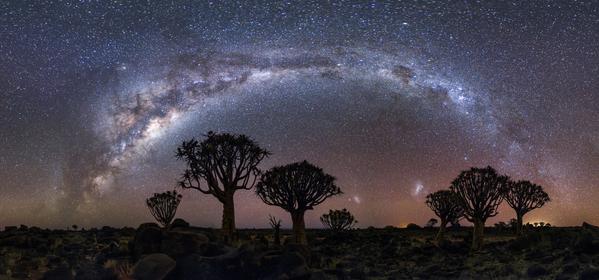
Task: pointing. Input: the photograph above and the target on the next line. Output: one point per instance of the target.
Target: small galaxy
(393, 98)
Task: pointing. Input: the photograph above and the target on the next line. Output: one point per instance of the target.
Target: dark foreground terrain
(184, 252)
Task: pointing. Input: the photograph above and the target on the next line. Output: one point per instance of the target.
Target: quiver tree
(479, 192)
(163, 206)
(431, 223)
(275, 224)
(445, 205)
(523, 197)
(338, 220)
(220, 165)
(296, 188)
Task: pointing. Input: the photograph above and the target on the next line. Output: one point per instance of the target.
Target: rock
(290, 260)
(589, 226)
(147, 240)
(590, 273)
(10, 228)
(570, 268)
(59, 273)
(318, 275)
(141, 226)
(586, 242)
(179, 223)
(153, 267)
(18, 241)
(358, 272)
(212, 249)
(200, 268)
(178, 243)
(303, 250)
(536, 270)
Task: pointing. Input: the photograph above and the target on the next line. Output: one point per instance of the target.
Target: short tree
(501, 226)
(219, 166)
(432, 222)
(479, 192)
(338, 220)
(296, 187)
(275, 224)
(523, 197)
(444, 204)
(163, 206)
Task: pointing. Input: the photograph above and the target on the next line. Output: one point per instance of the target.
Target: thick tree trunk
(518, 224)
(477, 236)
(299, 228)
(441, 232)
(228, 222)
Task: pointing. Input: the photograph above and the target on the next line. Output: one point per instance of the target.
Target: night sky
(393, 99)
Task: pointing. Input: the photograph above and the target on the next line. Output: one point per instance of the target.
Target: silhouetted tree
(501, 226)
(479, 192)
(338, 220)
(445, 205)
(431, 223)
(296, 187)
(220, 165)
(276, 226)
(523, 197)
(163, 206)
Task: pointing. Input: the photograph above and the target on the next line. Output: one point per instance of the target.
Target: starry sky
(392, 98)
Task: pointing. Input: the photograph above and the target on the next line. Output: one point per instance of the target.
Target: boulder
(153, 267)
(212, 249)
(59, 273)
(586, 225)
(570, 268)
(589, 274)
(200, 268)
(536, 270)
(177, 243)
(179, 223)
(147, 240)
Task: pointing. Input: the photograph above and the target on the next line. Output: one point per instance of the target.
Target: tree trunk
(228, 222)
(277, 237)
(477, 236)
(441, 232)
(299, 228)
(519, 224)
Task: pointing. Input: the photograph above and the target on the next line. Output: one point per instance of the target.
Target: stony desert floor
(184, 252)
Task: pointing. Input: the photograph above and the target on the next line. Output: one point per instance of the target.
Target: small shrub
(338, 220)
(163, 206)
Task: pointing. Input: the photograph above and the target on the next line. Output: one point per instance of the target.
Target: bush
(338, 220)
(413, 226)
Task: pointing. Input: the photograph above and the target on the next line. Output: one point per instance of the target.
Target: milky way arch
(142, 108)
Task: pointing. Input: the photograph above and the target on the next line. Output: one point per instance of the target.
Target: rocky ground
(185, 252)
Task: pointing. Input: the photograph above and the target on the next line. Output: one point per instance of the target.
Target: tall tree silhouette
(163, 206)
(479, 192)
(296, 187)
(445, 205)
(338, 220)
(219, 166)
(523, 197)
